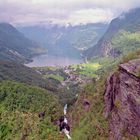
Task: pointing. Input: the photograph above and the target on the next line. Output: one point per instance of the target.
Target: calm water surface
(47, 60)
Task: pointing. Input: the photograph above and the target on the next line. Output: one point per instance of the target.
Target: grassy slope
(126, 41)
(87, 69)
(20, 73)
(47, 78)
(19, 108)
(90, 125)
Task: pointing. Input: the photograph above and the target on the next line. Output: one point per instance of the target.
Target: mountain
(65, 41)
(122, 37)
(14, 46)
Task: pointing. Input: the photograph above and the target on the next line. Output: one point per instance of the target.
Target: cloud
(89, 16)
(28, 12)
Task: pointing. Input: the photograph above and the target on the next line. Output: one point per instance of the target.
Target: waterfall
(65, 109)
(66, 132)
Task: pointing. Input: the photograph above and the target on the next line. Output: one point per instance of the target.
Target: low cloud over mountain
(63, 11)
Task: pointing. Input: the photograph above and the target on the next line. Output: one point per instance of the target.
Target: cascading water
(65, 130)
(65, 109)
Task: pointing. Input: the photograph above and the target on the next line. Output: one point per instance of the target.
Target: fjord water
(52, 60)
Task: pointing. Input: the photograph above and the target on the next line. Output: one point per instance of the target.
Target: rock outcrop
(122, 101)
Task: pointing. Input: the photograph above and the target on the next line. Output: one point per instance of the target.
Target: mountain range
(65, 41)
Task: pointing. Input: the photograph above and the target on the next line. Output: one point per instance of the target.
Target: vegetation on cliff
(20, 105)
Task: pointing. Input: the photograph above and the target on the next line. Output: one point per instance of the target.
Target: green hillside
(18, 72)
(125, 41)
(20, 105)
(47, 78)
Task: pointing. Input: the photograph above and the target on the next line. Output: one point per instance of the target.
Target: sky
(63, 12)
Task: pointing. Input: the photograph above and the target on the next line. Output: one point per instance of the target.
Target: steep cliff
(122, 101)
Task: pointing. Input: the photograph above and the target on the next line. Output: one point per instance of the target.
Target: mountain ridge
(69, 41)
(14, 46)
(105, 47)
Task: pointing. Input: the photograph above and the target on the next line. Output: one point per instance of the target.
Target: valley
(93, 69)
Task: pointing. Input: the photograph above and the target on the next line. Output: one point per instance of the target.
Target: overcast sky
(30, 12)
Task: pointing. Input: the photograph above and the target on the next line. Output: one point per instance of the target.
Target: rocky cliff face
(122, 101)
